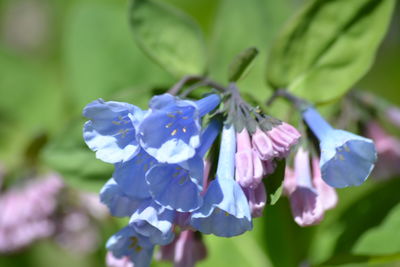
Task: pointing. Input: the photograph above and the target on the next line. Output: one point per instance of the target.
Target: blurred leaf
(240, 25)
(241, 63)
(386, 233)
(274, 183)
(287, 244)
(69, 156)
(243, 250)
(328, 46)
(349, 258)
(366, 213)
(101, 56)
(169, 37)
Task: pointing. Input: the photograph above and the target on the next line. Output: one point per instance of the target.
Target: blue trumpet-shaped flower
(131, 175)
(153, 221)
(129, 243)
(178, 186)
(111, 130)
(171, 131)
(119, 204)
(225, 211)
(346, 159)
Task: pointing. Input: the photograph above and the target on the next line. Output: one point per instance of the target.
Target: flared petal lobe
(111, 132)
(171, 131)
(346, 159)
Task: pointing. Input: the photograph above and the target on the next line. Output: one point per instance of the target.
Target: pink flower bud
(244, 159)
(393, 114)
(306, 208)
(263, 144)
(257, 199)
(189, 250)
(283, 137)
(326, 194)
(388, 149)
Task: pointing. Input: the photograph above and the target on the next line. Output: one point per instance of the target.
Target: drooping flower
(257, 199)
(131, 175)
(244, 160)
(171, 131)
(112, 261)
(225, 211)
(346, 159)
(284, 136)
(388, 148)
(119, 203)
(178, 186)
(127, 243)
(306, 208)
(326, 194)
(154, 222)
(111, 130)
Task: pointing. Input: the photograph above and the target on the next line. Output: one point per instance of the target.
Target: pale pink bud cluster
(255, 157)
(388, 149)
(309, 195)
(184, 251)
(26, 212)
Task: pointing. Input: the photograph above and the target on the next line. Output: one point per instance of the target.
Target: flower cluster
(162, 178)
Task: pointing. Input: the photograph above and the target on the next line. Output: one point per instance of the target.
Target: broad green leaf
(274, 183)
(354, 260)
(241, 63)
(68, 155)
(101, 57)
(169, 36)
(328, 47)
(386, 233)
(240, 25)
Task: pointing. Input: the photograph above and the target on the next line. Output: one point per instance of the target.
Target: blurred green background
(56, 56)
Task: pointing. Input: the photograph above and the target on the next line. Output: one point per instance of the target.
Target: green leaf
(386, 233)
(241, 63)
(101, 58)
(274, 183)
(239, 26)
(68, 155)
(169, 37)
(328, 47)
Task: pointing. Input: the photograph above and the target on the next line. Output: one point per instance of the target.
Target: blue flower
(178, 186)
(153, 221)
(128, 243)
(131, 175)
(346, 159)
(119, 204)
(225, 211)
(111, 130)
(171, 131)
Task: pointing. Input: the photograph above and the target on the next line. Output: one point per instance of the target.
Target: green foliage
(274, 183)
(241, 64)
(168, 36)
(101, 57)
(327, 47)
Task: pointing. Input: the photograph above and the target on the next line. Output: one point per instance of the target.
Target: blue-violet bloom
(178, 186)
(153, 221)
(129, 243)
(131, 175)
(171, 130)
(346, 159)
(111, 130)
(119, 204)
(225, 211)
